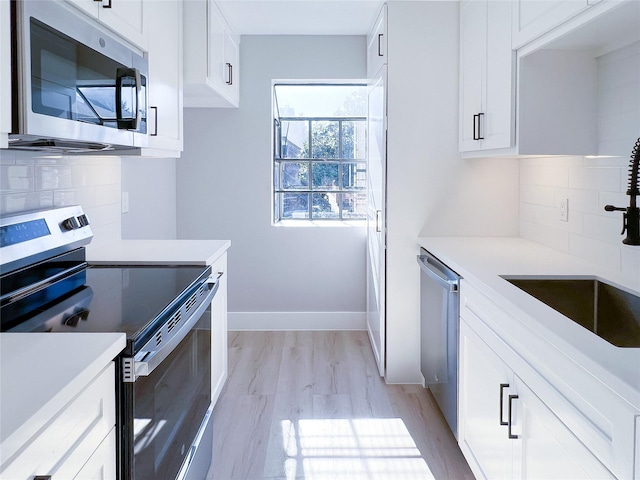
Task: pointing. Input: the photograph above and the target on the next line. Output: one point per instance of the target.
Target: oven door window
(170, 405)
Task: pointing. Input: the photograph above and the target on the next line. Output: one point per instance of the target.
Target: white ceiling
(300, 17)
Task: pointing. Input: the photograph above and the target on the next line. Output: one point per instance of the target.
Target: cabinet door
(473, 32)
(165, 75)
(5, 74)
(497, 123)
(219, 331)
(532, 18)
(377, 44)
(546, 447)
(231, 67)
(484, 407)
(125, 17)
(376, 215)
(216, 71)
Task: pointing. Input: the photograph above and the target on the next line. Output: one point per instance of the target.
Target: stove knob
(70, 223)
(84, 221)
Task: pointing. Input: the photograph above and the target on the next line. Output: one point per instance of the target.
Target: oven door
(166, 415)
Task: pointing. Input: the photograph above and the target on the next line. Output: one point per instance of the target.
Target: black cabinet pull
(230, 73)
(475, 127)
(511, 399)
(155, 131)
(108, 5)
(42, 477)
(380, 54)
(477, 135)
(502, 387)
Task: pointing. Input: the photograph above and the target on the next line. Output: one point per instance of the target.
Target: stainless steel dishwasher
(439, 325)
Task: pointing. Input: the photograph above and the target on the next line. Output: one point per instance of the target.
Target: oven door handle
(145, 367)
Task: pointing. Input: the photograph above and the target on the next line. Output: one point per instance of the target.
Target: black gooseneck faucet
(631, 217)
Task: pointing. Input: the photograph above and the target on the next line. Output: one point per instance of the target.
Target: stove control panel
(27, 237)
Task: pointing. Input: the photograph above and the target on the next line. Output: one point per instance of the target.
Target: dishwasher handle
(449, 283)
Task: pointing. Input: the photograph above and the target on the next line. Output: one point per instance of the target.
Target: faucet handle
(611, 208)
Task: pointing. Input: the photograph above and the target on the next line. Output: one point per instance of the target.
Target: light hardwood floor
(311, 405)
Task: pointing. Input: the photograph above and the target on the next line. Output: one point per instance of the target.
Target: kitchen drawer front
(61, 447)
(597, 416)
(102, 464)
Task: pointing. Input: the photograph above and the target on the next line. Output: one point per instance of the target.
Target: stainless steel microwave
(76, 87)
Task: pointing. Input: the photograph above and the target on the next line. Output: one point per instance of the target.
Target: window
(319, 168)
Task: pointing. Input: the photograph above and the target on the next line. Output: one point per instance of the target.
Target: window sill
(321, 223)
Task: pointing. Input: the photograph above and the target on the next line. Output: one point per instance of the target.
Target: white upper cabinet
(211, 57)
(5, 74)
(487, 74)
(165, 125)
(377, 44)
(530, 80)
(125, 17)
(532, 18)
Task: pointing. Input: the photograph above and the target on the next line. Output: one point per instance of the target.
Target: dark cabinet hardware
(509, 414)
(155, 123)
(502, 387)
(108, 5)
(477, 131)
(42, 477)
(380, 54)
(230, 74)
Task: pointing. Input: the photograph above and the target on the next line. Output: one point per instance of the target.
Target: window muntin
(319, 161)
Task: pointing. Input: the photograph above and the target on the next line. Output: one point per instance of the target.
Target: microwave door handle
(146, 366)
(122, 74)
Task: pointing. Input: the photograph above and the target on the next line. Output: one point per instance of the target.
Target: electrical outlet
(564, 209)
(124, 205)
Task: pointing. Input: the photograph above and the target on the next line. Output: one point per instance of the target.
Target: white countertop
(41, 372)
(168, 252)
(481, 261)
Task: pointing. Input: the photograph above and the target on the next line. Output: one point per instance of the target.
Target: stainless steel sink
(610, 312)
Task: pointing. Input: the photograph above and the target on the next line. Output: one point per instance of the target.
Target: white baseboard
(296, 321)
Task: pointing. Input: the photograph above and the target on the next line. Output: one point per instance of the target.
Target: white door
(376, 220)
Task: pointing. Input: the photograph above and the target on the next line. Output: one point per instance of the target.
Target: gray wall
(151, 185)
(224, 192)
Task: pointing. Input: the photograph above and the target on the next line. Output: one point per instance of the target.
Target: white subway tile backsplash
(537, 195)
(30, 183)
(545, 175)
(595, 178)
(551, 237)
(18, 202)
(591, 183)
(604, 228)
(17, 178)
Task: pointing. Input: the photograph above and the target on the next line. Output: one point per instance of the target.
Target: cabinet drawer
(102, 464)
(62, 446)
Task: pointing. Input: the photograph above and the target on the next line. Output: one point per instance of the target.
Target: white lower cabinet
(527, 409)
(101, 465)
(5, 73)
(219, 330)
(506, 431)
(78, 442)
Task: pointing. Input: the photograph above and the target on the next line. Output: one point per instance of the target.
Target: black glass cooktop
(102, 299)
